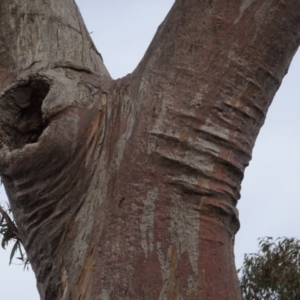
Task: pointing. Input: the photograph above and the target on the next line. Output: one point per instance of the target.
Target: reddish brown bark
(127, 189)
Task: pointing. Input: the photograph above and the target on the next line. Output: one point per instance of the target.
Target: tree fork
(127, 189)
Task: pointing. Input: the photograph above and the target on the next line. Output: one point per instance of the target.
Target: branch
(35, 35)
(193, 30)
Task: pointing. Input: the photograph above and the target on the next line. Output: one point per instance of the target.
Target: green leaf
(13, 251)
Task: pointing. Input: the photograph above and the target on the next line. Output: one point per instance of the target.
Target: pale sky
(270, 202)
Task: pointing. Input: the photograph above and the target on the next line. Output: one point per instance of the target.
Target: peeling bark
(127, 189)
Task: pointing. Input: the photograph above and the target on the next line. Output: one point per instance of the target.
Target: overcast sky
(269, 206)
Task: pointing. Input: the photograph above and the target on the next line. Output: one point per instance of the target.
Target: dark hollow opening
(21, 120)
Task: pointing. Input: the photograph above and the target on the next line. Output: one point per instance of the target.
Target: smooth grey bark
(126, 189)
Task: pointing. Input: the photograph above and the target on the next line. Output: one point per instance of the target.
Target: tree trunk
(127, 189)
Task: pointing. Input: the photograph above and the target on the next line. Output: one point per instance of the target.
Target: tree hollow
(21, 114)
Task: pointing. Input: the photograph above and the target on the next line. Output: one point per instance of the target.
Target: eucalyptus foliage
(9, 234)
(274, 272)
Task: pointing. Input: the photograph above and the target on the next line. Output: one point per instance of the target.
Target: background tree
(274, 272)
(160, 176)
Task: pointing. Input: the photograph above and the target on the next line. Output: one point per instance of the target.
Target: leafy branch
(274, 272)
(9, 233)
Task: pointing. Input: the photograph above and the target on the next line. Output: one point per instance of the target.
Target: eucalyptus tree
(273, 272)
(127, 189)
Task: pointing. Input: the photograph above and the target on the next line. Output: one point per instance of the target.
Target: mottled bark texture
(127, 189)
